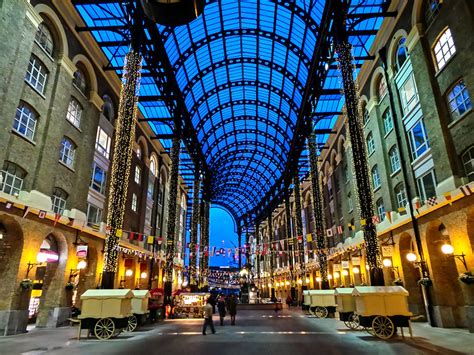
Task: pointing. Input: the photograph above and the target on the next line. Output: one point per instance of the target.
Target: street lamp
(345, 272)
(448, 250)
(411, 257)
(356, 270)
(387, 262)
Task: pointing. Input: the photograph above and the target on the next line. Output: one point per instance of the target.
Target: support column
(205, 239)
(356, 134)
(271, 251)
(193, 282)
(172, 218)
(318, 213)
(239, 235)
(289, 235)
(257, 253)
(121, 160)
(299, 222)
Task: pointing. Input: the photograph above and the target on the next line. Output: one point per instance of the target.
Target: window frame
(387, 117)
(394, 158)
(59, 202)
(104, 151)
(370, 143)
(470, 152)
(74, 112)
(466, 102)
(99, 214)
(100, 187)
(426, 143)
(439, 47)
(64, 153)
(137, 177)
(401, 195)
(42, 36)
(35, 72)
(376, 180)
(421, 186)
(380, 208)
(17, 180)
(19, 122)
(134, 203)
(408, 103)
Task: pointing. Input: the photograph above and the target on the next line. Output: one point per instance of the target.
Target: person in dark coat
(221, 308)
(232, 307)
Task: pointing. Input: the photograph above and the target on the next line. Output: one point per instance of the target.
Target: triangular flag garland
(42, 214)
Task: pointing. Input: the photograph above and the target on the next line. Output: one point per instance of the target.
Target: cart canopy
(380, 290)
(101, 294)
(141, 293)
(322, 292)
(344, 291)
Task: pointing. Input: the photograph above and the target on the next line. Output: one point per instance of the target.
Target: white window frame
(58, 202)
(98, 215)
(24, 122)
(67, 153)
(383, 93)
(465, 97)
(99, 187)
(134, 202)
(380, 209)
(10, 183)
(74, 112)
(394, 156)
(400, 194)
(43, 38)
(387, 122)
(421, 186)
(103, 142)
(370, 143)
(409, 101)
(376, 177)
(468, 160)
(416, 152)
(444, 48)
(138, 175)
(36, 75)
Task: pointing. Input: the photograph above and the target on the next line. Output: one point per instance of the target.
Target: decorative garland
(122, 157)
(299, 220)
(194, 233)
(288, 228)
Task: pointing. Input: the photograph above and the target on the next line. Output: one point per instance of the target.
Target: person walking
(289, 301)
(221, 308)
(208, 318)
(232, 307)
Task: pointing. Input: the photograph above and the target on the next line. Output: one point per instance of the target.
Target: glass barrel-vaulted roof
(242, 69)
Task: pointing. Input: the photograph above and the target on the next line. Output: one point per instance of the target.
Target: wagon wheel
(104, 328)
(383, 327)
(132, 324)
(355, 322)
(321, 312)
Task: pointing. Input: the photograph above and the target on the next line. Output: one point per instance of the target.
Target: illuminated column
(270, 251)
(299, 222)
(172, 218)
(239, 236)
(121, 160)
(318, 212)
(194, 234)
(257, 258)
(205, 238)
(289, 236)
(356, 134)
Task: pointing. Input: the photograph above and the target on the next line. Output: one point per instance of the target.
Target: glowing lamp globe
(387, 262)
(173, 12)
(307, 280)
(355, 270)
(129, 272)
(318, 279)
(345, 272)
(41, 257)
(329, 277)
(411, 257)
(143, 275)
(287, 283)
(447, 249)
(336, 275)
(81, 265)
(300, 281)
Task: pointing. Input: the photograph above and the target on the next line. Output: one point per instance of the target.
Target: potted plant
(467, 278)
(425, 281)
(26, 284)
(398, 282)
(69, 286)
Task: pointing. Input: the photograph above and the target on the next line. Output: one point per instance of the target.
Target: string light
(299, 220)
(121, 161)
(194, 232)
(288, 230)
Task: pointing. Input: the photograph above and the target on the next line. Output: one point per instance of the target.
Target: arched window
(468, 162)
(382, 89)
(153, 165)
(365, 113)
(67, 152)
(80, 81)
(444, 48)
(25, 121)
(376, 177)
(380, 209)
(459, 100)
(401, 195)
(11, 178)
(394, 159)
(387, 122)
(432, 8)
(108, 109)
(370, 143)
(59, 200)
(402, 53)
(44, 39)
(74, 112)
(139, 152)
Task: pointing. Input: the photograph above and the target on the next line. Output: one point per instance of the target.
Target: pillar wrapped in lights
(121, 160)
(172, 217)
(194, 234)
(299, 222)
(289, 236)
(271, 251)
(205, 239)
(356, 135)
(257, 258)
(318, 213)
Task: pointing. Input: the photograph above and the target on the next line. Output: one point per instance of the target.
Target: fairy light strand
(194, 232)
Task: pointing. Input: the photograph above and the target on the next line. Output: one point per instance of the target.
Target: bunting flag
(309, 237)
(25, 211)
(466, 190)
(8, 204)
(432, 201)
(71, 222)
(300, 239)
(119, 233)
(363, 222)
(57, 217)
(402, 211)
(339, 230)
(41, 214)
(329, 232)
(388, 215)
(375, 219)
(350, 226)
(448, 197)
(417, 205)
(150, 239)
(160, 240)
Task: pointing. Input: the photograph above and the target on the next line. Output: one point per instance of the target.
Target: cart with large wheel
(139, 309)
(323, 302)
(346, 307)
(306, 300)
(105, 313)
(382, 309)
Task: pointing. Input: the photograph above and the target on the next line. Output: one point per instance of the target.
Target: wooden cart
(105, 313)
(323, 302)
(306, 299)
(382, 309)
(346, 307)
(139, 309)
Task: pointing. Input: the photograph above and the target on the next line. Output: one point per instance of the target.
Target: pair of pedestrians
(222, 305)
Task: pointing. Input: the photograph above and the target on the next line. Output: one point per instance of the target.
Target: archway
(448, 297)
(410, 275)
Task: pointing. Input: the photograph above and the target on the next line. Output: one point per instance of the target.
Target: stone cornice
(32, 15)
(66, 64)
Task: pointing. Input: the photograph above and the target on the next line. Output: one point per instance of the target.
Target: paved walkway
(256, 332)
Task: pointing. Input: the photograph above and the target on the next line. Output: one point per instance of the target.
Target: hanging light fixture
(173, 12)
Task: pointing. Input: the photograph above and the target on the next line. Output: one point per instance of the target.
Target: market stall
(190, 305)
(139, 309)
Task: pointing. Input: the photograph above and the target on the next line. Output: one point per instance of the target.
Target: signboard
(387, 250)
(345, 264)
(356, 260)
(81, 251)
(336, 267)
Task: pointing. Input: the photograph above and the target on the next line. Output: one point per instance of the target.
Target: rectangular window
(387, 122)
(138, 173)
(59, 204)
(74, 112)
(427, 185)
(349, 203)
(401, 196)
(10, 183)
(409, 94)
(102, 142)
(36, 75)
(98, 179)
(151, 187)
(380, 209)
(418, 139)
(148, 216)
(25, 122)
(134, 203)
(94, 214)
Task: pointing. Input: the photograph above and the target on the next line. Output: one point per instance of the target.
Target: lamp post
(448, 250)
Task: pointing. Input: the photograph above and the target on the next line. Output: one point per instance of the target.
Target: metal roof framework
(243, 85)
